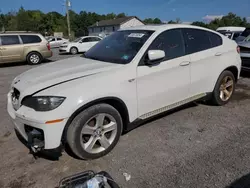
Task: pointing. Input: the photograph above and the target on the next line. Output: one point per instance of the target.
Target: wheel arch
(234, 70)
(74, 47)
(117, 103)
(33, 51)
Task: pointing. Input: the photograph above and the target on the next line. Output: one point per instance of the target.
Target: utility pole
(68, 19)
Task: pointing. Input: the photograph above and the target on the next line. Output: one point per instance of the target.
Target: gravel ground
(197, 146)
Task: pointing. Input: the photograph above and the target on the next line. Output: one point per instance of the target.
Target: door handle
(184, 63)
(218, 54)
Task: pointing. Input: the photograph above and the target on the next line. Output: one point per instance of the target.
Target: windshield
(77, 40)
(119, 47)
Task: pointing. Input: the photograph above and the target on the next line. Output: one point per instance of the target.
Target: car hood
(48, 75)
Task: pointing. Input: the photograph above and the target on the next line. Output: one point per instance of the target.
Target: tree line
(48, 23)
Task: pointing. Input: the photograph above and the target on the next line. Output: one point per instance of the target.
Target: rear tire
(95, 131)
(34, 58)
(73, 50)
(224, 89)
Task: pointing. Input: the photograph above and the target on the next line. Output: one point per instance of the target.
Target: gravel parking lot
(196, 146)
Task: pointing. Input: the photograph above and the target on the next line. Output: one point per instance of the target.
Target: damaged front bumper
(30, 125)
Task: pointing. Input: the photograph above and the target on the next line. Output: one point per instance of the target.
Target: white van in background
(231, 32)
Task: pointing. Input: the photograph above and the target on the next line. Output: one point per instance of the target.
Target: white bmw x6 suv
(133, 74)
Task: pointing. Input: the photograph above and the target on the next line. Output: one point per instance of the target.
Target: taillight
(48, 46)
(238, 49)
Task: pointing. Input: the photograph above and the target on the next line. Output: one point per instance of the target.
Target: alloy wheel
(226, 88)
(34, 59)
(98, 133)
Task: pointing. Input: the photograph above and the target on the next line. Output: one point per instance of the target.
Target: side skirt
(166, 110)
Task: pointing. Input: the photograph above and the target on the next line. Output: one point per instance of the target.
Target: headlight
(43, 103)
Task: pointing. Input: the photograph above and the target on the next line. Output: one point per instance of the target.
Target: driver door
(85, 44)
(163, 85)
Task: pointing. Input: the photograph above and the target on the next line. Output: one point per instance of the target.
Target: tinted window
(196, 40)
(94, 39)
(246, 32)
(51, 40)
(236, 35)
(227, 34)
(28, 39)
(171, 42)
(215, 39)
(59, 38)
(86, 39)
(10, 40)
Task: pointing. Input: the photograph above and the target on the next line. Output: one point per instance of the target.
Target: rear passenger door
(11, 48)
(94, 40)
(59, 42)
(205, 50)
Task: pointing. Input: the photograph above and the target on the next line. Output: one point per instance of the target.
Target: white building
(106, 27)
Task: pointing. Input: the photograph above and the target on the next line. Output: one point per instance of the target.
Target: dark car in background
(243, 35)
(245, 53)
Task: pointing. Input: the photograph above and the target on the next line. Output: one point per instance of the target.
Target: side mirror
(154, 55)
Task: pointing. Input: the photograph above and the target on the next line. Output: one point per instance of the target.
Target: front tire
(34, 58)
(224, 89)
(73, 50)
(95, 131)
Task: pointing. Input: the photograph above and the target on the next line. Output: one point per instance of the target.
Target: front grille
(16, 93)
(15, 98)
(244, 49)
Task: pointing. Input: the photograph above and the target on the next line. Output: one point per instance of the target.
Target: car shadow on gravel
(139, 123)
(243, 182)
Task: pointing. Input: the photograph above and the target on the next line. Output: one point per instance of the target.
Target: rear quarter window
(215, 39)
(30, 39)
(196, 40)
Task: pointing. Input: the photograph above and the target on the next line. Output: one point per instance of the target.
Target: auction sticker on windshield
(136, 35)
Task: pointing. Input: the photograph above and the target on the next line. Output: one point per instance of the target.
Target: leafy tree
(171, 22)
(152, 21)
(201, 24)
(121, 15)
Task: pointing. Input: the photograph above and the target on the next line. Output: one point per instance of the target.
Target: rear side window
(10, 40)
(196, 40)
(215, 39)
(59, 38)
(29, 39)
(171, 42)
(88, 39)
(94, 39)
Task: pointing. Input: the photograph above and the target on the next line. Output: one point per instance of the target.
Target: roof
(164, 27)
(117, 21)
